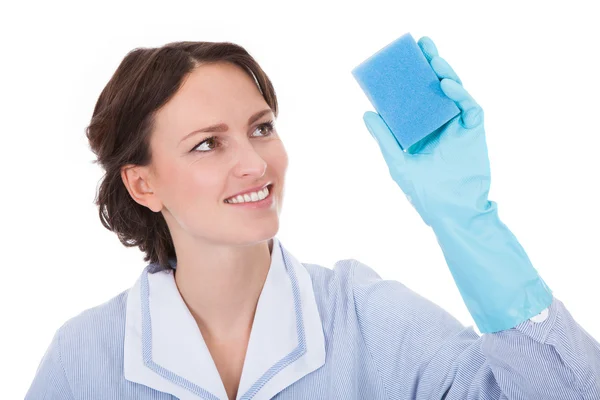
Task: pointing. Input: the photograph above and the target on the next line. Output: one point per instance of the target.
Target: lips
(254, 189)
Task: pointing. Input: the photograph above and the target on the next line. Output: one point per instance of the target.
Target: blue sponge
(405, 91)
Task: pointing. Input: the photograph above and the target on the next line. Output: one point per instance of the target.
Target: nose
(249, 161)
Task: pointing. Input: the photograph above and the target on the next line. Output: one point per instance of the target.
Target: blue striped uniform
(318, 333)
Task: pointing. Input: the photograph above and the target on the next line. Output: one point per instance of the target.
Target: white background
(533, 66)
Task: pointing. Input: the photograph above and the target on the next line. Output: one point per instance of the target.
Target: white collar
(164, 348)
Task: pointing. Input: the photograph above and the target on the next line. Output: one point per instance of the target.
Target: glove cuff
(494, 275)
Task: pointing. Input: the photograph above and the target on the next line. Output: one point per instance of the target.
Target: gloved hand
(446, 177)
(448, 172)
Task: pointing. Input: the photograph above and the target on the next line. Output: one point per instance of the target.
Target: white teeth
(249, 197)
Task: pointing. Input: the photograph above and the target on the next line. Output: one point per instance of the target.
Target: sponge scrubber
(405, 91)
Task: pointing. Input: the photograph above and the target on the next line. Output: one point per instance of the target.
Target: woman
(195, 174)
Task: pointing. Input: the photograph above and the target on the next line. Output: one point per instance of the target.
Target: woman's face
(193, 174)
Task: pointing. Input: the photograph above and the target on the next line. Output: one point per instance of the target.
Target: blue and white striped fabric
(318, 333)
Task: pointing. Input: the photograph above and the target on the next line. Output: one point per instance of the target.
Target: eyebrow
(223, 127)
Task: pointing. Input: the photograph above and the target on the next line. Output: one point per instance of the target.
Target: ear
(138, 183)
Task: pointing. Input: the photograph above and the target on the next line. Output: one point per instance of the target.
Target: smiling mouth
(252, 197)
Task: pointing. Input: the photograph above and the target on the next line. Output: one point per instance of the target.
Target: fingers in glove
(471, 112)
(439, 65)
(388, 144)
(428, 48)
(443, 70)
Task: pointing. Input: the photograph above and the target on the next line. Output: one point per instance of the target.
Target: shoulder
(376, 299)
(330, 280)
(343, 285)
(101, 320)
(95, 334)
(349, 276)
(89, 344)
(342, 272)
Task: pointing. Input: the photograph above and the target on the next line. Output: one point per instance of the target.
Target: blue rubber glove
(446, 177)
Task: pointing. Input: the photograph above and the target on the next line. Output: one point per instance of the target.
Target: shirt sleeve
(422, 352)
(50, 381)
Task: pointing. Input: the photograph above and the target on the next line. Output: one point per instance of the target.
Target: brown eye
(268, 127)
(208, 141)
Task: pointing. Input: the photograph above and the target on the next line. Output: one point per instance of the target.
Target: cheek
(202, 184)
(278, 159)
(191, 184)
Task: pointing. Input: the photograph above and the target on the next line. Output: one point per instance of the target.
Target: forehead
(210, 94)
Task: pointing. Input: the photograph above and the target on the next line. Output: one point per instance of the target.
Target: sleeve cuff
(539, 326)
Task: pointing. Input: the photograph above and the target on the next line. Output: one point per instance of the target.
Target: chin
(246, 234)
(263, 233)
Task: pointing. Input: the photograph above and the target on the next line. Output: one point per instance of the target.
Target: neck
(221, 286)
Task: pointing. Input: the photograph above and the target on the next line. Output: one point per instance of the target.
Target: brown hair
(122, 122)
